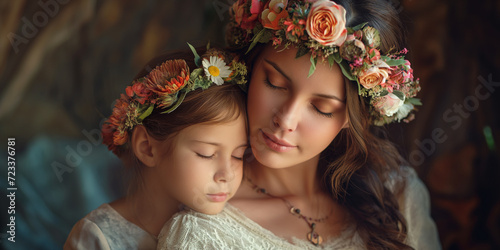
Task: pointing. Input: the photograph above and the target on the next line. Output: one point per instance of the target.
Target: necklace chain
(312, 236)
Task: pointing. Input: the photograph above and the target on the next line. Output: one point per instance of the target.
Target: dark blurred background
(63, 63)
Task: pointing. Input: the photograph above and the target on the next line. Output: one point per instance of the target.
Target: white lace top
(105, 228)
(231, 229)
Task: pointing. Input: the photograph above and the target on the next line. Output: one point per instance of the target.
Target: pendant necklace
(312, 236)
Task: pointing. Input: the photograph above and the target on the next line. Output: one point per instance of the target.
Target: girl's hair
(356, 167)
(217, 104)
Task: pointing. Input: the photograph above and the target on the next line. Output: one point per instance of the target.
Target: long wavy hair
(359, 166)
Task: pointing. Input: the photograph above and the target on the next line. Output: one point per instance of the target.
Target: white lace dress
(231, 229)
(105, 228)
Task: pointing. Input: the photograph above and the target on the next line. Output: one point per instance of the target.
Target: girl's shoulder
(105, 228)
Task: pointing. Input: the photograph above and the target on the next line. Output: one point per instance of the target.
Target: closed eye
(270, 85)
(204, 156)
(327, 115)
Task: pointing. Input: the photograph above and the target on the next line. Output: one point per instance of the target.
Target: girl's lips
(219, 197)
(276, 144)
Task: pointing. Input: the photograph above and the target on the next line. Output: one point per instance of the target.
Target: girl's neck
(299, 180)
(150, 211)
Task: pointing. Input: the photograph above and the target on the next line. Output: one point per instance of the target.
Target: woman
(318, 174)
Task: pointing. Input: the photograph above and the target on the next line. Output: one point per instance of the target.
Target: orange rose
(273, 13)
(326, 23)
(373, 76)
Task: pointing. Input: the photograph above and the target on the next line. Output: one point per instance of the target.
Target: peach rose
(387, 105)
(326, 23)
(373, 76)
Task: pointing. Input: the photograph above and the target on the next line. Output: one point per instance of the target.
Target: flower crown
(318, 28)
(165, 88)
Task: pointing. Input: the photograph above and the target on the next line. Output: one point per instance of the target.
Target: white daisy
(216, 69)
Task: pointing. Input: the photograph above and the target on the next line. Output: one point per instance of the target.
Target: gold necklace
(312, 236)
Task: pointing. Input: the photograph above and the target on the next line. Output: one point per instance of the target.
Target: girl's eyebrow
(277, 68)
(218, 144)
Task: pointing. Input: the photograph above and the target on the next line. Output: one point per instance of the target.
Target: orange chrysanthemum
(168, 78)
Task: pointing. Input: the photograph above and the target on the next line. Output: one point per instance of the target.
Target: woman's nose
(286, 118)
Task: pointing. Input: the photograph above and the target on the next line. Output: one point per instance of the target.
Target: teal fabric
(49, 204)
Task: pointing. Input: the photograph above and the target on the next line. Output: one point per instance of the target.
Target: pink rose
(326, 23)
(373, 76)
(387, 105)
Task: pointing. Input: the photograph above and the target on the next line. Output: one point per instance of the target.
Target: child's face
(204, 169)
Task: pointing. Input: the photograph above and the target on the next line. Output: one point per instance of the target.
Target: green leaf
(256, 39)
(384, 93)
(313, 66)
(197, 58)
(146, 113)
(177, 103)
(336, 57)
(393, 62)
(357, 27)
(196, 73)
(301, 51)
(399, 94)
(346, 71)
(331, 61)
(415, 101)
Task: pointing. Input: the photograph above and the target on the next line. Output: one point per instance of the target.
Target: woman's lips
(276, 144)
(218, 197)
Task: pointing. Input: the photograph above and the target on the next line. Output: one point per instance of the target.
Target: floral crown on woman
(318, 27)
(165, 88)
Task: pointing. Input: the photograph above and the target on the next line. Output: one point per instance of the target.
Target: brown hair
(217, 104)
(355, 167)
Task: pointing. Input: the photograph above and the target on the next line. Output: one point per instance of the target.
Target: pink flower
(387, 105)
(326, 23)
(243, 19)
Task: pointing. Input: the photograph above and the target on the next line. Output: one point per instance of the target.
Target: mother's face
(293, 118)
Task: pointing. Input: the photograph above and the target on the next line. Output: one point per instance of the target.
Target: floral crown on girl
(318, 27)
(165, 88)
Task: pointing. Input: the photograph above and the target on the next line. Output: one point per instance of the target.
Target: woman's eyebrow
(277, 68)
(330, 97)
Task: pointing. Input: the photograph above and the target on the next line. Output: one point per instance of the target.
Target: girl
(324, 75)
(182, 134)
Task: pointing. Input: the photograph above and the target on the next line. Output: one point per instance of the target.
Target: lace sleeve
(195, 231)
(422, 232)
(86, 235)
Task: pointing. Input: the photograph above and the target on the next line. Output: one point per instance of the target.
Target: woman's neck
(298, 180)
